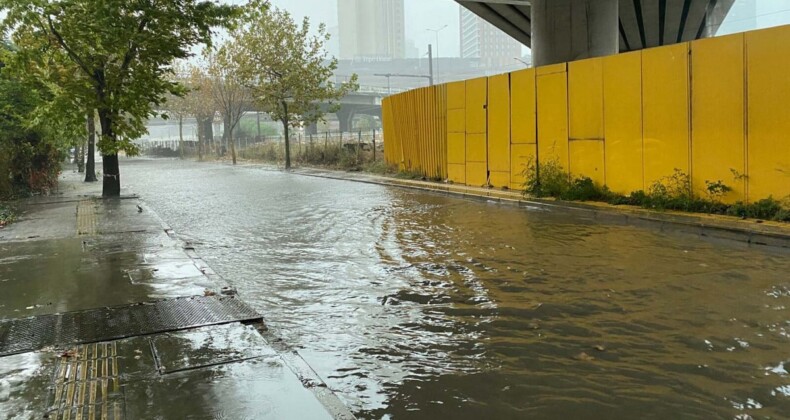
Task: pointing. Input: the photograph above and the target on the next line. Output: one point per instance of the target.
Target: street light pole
(430, 64)
(522, 61)
(436, 31)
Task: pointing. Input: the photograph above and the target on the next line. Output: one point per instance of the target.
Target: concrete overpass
(567, 30)
(365, 101)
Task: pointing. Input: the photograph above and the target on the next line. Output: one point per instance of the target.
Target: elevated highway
(568, 30)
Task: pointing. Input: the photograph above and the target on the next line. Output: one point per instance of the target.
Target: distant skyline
(421, 15)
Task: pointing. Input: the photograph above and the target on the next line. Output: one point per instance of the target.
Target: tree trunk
(90, 166)
(181, 135)
(80, 152)
(209, 128)
(111, 185)
(232, 143)
(287, 137)
(258, 116)
(201, 136)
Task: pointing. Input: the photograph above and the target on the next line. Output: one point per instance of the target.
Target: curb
(290, 357)
(751, 232)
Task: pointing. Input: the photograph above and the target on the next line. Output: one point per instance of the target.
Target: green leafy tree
(31, 147)
(118, 53)
(287, 69)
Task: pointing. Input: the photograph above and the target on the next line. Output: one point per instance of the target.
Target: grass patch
(673, 192)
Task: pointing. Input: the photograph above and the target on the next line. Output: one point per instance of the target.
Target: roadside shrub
(7, 215)
(765, 209)
(551, 180)
(673, 192)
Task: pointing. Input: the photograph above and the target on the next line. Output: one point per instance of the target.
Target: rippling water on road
(414, 305)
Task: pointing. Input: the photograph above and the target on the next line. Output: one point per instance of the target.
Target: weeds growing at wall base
(673, 192)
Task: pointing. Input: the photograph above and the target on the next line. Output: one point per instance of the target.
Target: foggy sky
(420, 16)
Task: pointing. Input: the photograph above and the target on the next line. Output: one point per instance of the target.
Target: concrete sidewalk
(76, 254)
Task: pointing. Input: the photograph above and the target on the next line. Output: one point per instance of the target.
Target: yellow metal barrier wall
(715, 109)
(415, 131)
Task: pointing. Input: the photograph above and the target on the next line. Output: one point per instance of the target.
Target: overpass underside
(568, 30)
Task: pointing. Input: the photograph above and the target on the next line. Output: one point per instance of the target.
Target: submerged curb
(721, 227)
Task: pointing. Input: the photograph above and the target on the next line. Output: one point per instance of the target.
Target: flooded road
(414, 305)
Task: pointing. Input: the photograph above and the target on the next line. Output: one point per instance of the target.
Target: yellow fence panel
(476, 131)
(441, 129)
(522, 99)
(499, 130)
(476, 100)
(622, 87)
(585, 119)
(552, 94)
(585, 99)
(456, 173)
(717, 115)
(587, 159)
(551, 69)
(520, 156)
(665, 107)
(476, 173)
(456, 120)
(476, 148)
(456, 127)
(456, 95)
(768, 62)
(456, 149)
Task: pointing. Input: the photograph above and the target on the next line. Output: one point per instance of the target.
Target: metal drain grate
(104, 324)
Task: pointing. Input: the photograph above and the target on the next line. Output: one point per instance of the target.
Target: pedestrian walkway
(104, 313)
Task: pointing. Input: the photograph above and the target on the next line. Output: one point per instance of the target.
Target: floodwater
(415, 305)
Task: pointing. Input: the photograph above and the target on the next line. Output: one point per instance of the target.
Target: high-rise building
(480, 39)
(371, 30)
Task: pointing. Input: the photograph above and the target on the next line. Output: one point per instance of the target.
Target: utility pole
(436, 32)
(430, 64)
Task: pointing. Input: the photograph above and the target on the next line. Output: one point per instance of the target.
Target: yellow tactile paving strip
(87, 383)
(86, 217)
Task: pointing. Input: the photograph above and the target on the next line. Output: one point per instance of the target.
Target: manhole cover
(105, 324)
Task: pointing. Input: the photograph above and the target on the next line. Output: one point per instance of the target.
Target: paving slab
(215, 372)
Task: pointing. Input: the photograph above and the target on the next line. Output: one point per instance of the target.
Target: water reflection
(414, 305)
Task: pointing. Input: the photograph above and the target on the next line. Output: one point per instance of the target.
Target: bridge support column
(567, 30)
(345, 116)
